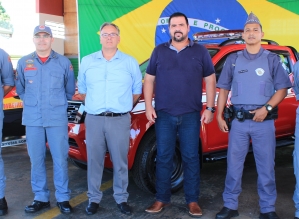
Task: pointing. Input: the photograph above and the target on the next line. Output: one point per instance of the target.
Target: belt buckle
(240, 115)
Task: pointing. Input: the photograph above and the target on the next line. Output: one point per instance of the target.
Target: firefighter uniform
(7, 78)
(45, 89)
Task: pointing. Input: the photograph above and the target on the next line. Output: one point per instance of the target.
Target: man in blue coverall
(45, 81)
(6, 83)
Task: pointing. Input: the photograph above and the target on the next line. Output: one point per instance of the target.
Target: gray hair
(109, 24)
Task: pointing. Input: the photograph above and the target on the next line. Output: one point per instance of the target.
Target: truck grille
(72, 112)
(73, 143)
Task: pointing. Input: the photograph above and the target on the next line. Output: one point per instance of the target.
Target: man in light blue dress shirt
(110, 82)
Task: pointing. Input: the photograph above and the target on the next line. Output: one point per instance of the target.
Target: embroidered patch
(259, 71)
(30, 68)
(29, 61)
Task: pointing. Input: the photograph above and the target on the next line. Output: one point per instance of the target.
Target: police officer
(252, 75)
(296, 146)
(45, 81)
(6, 84)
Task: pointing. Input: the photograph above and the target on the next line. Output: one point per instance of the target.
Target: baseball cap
(252, 19)
(42, 29)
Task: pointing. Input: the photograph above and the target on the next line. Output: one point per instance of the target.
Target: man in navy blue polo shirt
(177, 68)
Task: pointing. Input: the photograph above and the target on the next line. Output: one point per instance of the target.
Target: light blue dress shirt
(109, 85)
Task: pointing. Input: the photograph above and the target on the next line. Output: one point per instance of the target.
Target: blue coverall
(7, 78)
(45, 89)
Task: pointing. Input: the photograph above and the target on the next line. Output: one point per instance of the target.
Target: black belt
(247, 115)
(110, 114)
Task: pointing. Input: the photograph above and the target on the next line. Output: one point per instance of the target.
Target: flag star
(163, 30)
(217, 21)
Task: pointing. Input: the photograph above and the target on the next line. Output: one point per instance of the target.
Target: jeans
(296, 164)
(168, 127)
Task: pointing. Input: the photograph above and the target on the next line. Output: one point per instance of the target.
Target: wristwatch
(212, 109)
(268, 107)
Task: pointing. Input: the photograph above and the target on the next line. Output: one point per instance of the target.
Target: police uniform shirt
(296, 80)
(280, 77)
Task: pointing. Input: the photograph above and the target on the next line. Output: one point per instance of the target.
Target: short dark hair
(178, 14)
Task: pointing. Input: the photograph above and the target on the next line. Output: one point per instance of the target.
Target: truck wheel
(78, 164)
(144, 169)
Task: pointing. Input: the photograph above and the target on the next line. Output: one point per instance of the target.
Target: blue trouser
(2, 175)
(57, 138)
(296, 164)
(262, 135)
(187, 127)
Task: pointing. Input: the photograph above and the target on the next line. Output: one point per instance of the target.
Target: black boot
(227, 213)
(3, 206)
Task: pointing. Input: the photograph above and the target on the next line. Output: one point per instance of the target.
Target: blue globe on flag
(203, 16)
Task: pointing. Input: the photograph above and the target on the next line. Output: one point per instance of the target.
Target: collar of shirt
(250, 56)
(117, 55)
(52, 55)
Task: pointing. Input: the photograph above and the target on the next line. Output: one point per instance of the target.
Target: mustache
(178, 32)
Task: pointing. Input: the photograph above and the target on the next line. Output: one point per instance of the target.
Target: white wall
(24, 19)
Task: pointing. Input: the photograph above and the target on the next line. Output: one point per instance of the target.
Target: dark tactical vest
(252, 82)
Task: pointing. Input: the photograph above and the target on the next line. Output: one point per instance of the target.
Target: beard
(182, 38)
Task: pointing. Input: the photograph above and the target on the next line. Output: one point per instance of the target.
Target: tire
(78, 164)
(144, 169)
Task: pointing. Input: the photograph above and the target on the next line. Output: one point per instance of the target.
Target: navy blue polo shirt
(178, 77)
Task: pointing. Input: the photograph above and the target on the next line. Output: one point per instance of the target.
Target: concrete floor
(18, 190)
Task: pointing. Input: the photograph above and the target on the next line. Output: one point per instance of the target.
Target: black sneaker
(3, 206)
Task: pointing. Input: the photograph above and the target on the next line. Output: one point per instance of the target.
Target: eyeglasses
(42, 36)
(105, 35)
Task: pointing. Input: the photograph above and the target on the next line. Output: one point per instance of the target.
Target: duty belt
(110, 114)
(241, 115)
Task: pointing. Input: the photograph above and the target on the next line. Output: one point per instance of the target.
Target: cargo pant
(262, 135)
(2, 175)
(57, 137)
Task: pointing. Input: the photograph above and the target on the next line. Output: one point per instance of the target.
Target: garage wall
(71, 32)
